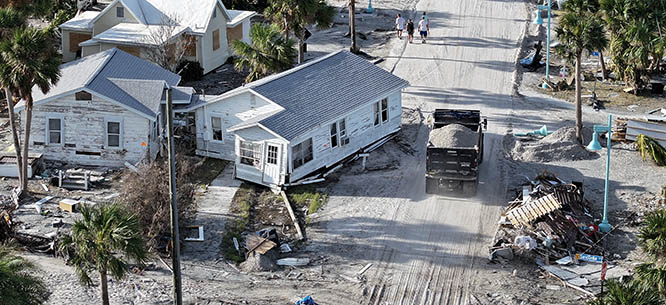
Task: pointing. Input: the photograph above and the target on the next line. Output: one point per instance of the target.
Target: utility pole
(352, 25)
(175, 236)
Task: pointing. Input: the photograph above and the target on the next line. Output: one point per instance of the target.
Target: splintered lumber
(291, 214)
(525, 214)
(258, 244)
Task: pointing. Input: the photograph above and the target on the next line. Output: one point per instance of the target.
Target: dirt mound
(558, 146)
(453, 136)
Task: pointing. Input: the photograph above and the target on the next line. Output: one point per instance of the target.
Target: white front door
(272, 156)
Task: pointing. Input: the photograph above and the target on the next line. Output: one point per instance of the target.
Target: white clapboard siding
(361, 130)
(650, 129)
(84, 131)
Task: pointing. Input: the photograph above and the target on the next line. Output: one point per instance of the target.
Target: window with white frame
(301, 153)
(216, 126)
(250, 153)
(54, 128)
(272, 154)
(113, 134)
(339, 133)
(381, 112)
(120, 12)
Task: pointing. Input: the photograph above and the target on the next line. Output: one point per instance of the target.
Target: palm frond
(651, 149)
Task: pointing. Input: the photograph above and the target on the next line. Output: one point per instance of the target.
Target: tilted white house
(106, 109)
(129, 25)
(284, 127)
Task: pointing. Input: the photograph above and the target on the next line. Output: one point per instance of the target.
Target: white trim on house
(220, 117)
(113, 119)
(47, 131)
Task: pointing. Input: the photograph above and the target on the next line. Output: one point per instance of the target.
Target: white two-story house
(131, 25)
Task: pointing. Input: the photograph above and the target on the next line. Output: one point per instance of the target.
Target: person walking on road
(423, 29)
(410, 30)
(400, 25)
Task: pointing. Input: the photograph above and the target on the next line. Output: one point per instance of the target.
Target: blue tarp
(306, 301)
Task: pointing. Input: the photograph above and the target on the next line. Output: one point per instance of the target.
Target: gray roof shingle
(115, 74)
(323, 91)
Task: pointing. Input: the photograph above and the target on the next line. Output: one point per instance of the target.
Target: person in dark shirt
(410, 30)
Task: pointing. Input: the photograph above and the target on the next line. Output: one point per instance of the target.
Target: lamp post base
(545, 85)
(605, 227)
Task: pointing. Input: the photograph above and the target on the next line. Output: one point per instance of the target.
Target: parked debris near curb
(548, 220)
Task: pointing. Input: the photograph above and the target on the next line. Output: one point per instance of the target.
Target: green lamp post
(370, 10)
(594, 145)
(538, 20)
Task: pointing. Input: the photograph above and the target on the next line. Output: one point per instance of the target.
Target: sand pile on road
(558, 146)
(453, 136)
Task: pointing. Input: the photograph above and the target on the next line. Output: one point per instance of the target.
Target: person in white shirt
(423, 29)
(400, 25)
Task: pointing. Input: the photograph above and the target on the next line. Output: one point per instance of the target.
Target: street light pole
(175, 236)
(545, 84)
(604, 226)
(370, 10)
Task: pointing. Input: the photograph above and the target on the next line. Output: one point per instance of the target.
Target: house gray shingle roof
(117, 75)
(324, 91)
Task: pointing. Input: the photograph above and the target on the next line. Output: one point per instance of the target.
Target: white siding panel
(361, 132)
(233, 111)
(84, 131)
(215, 58)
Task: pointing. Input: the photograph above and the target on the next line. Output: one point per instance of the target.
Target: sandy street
(426, 247)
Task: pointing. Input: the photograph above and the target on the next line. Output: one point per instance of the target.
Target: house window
(83, 96)
(54, 131)
(113, 134)
(216, 123)
(339, 133)
(214, 13)
(250, 153)
(380, 110)
(120, 12)
(302, 153)
(272, 155)
(216, 40)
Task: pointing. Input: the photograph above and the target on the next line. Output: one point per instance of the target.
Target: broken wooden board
(525, 214)
(258, 244)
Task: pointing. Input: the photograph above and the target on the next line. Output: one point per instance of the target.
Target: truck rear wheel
(469, 188)
(431, 186)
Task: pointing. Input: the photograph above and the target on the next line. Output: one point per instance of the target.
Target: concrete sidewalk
(213, 212)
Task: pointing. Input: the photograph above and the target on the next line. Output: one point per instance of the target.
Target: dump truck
(454, 151)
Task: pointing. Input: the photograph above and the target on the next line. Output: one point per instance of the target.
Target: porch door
(272, 157)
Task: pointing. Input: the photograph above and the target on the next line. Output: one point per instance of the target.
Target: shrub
(190, 71)
(652, 237)
(631, 293)
(146, 194)
(651, 275)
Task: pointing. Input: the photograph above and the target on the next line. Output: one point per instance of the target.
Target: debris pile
(548, 220)
(453, 136)
(561, 145)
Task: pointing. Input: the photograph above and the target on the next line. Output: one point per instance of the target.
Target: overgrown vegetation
(307, 195)
(629, 293)
(269, 52)
(18, 286)
(637, 42)
(241, 205)
(651, 149)
(250, 5)
(146, 194)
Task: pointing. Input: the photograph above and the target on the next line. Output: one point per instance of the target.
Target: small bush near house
(146, 194)
(652, 237)
(241, 205)
(307, 195)
(190, 71)
(629, 293)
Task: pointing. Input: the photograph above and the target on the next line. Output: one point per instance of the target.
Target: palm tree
(652, 236)
(105, 239)
(17, 285)
(580, 29)
(11, 19)
(652, 275)
(29, 59)
(270, 52)
(295, 15)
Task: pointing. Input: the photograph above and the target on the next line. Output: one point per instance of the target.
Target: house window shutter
(216, 40)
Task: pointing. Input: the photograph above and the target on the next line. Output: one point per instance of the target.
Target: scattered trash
(525, 242)
(293, 261)
(364, 269)
(284, 248)
(631, 107)
(68, 205)
(589, 258)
